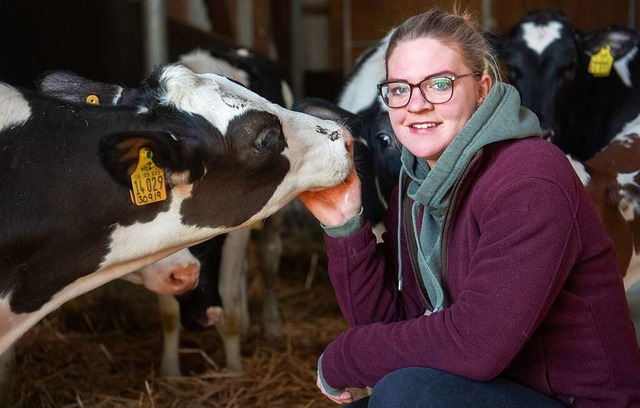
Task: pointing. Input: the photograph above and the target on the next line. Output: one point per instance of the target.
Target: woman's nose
(417, 102)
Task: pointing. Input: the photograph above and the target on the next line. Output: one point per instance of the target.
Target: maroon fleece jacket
(535, 295)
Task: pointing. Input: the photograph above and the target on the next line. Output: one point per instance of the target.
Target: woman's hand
(345, 397)
(336, 205)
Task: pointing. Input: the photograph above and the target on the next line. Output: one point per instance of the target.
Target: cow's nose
(185, 278)
(348, 141)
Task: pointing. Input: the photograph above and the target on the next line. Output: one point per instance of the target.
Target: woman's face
(423, 128)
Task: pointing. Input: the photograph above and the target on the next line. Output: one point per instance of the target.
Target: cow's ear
(181, 159)
(321, 108)
(621, 40)
(74, 88)
(324, 109)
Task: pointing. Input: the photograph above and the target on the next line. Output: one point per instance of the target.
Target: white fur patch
(580, 170)
(361, 91)
(627, 178)
(214, 97)
(622, 67)
(4, 300)
(628, 206)
(117, 96)
(287, 94)
(15, 109)
(627, 135)
(165, 231)
(202, 62)
(539, 37)
(633, 272)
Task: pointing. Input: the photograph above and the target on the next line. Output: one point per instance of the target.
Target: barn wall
(586, 15)
(102, 39)
(370, 23)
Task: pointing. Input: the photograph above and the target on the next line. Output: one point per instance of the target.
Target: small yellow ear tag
(92, 100)
(601, 63)
(147, 181)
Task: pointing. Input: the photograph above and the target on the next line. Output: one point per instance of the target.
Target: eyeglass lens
(434, 90)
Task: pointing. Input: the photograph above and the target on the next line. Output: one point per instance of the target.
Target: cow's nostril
(348, 140)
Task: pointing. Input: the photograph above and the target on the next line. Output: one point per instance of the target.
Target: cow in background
(591, 118)
(80, 229)
(547, 59)
(376, 144)
(540, 54)
(612, 178)
(173, 275)
(592, 110)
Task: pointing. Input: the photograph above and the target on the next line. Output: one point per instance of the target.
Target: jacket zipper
(446, 225)
(406, 213)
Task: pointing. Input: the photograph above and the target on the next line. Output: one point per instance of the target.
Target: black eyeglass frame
(452, 78)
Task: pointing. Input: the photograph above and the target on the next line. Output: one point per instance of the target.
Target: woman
(496, 285)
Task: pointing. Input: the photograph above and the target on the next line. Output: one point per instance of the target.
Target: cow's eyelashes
(267, 138)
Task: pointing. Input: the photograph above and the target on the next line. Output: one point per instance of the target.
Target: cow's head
(540, 54)
(592, 109)
(377, 151)
(213, 134)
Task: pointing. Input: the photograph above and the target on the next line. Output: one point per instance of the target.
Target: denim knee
(416, 387)
(401, 388)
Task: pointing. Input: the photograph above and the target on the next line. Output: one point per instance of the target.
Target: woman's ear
(484, 85)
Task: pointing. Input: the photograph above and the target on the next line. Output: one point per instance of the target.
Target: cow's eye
(569, 73)
(384, 139)
(267, 138)
(514, 73)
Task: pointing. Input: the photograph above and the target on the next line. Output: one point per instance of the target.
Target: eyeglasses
(434, 89)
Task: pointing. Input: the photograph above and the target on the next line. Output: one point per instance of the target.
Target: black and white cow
(377, 143)
(224, 264)
(540, 54)
(592, 110)
(547, 61)
(229, 157)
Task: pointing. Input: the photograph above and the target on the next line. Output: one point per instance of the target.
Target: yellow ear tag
(147, 181)
(601, 63)
(92, 100)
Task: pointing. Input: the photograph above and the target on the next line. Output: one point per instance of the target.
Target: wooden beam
(220, 17)
(178, 10)
(262, 26)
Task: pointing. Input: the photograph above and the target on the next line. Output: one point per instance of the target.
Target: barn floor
(103, 349)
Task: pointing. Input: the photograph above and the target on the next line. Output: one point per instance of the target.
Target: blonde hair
(459, 30)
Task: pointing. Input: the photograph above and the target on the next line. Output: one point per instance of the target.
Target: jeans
(418, 387)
